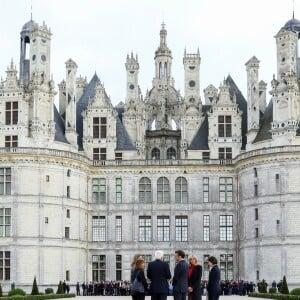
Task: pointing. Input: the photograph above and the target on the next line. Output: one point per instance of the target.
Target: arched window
(171, 153)
(181, 195)
(153, 125)
(155, 153)
(160, 70)
(166, 70)
(163, 190)
(145, 190)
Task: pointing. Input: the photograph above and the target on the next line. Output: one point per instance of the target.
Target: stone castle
(86, 185)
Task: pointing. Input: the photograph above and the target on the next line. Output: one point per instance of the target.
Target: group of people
(103, 288)
(186, 278)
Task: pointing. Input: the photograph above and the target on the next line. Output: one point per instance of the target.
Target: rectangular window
(181, 228)
(67, 275)
(205, 189)
(118, 190)
(118, 267)
(277, 183)
(226, 266)
(98, 229)
(205, 155)
(5, 222)
(163, 229)
(4, 265)
(225, 153)
(206, 228)
(256, 214)
(226, 228)
(99, 128)
(67, 232)
(118, 156)
(118, 228)
(225, 187)
(255, 172)
(205, 266)
(68, 191)
(68, 214)
(11, 141)
(99, 153)
(147, 258)
(255, 190)
(5, 181)
(257, 275)
(145, 229)
(11, 113)
(47, 178)
(256, 232)
(98, 267)
(99, 190)
(46, 220)
(167, 258)
(224, 126)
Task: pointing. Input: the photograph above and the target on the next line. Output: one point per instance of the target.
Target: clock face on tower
(192, 83)
(131, 86)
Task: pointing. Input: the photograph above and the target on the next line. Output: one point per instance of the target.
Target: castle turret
(253, 104)
(70, 113)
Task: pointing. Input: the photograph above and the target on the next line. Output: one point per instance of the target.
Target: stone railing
(141, 162)
(267, 151)
(103, 163)
(45, 151)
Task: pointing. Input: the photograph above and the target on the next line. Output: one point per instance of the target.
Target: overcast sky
(98, 34)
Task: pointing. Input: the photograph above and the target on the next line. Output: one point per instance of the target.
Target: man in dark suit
(159, 273)
(180, 278)
(213, 285)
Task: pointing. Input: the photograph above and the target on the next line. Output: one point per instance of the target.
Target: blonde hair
(193, 256)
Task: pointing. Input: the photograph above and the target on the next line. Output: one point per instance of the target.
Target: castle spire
(163, 36)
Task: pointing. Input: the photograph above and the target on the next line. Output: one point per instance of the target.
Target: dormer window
(155, 153)
(99, 128)
(171, 153)
(224, 126)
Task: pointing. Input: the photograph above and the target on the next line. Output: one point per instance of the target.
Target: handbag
(137, 286)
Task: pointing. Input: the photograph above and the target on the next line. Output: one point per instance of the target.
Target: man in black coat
(159, 273)
(180, 278)
(213, 285)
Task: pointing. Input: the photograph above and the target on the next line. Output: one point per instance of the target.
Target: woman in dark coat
(213, 285)
(194, 278)
(138, 272)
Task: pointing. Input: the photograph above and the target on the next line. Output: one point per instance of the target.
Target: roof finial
(31, 10)
(293, 9)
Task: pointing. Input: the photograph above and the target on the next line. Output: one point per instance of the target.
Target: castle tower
(35, 77)
(285, 89)
(35, 52)
(191, 118)
(253, 103)
(163, 59)
(287, 44)
(132, 70)
(191, 64)
(70, 113)
(133, 119)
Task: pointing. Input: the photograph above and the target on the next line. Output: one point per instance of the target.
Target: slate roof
(242, 104)
(200, 141)
(82, 104)
(265, 125)
(123, 140)
(59, 127)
